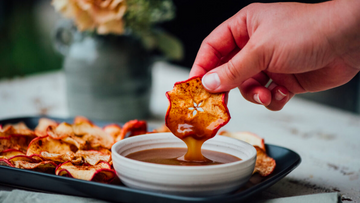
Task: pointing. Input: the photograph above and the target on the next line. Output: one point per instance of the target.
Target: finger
(255, 92)
(245, 64)
(228, 36)
(280, 96)
(256, 85)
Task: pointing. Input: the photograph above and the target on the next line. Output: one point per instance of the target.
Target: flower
(106, 16)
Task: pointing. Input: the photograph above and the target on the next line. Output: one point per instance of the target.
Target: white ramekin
(183, 180)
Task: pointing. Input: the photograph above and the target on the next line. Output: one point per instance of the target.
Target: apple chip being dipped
(195, 115)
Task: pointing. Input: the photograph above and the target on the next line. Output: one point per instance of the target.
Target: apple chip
(18, 129)
(93, 157)
(14, 142)
(82, 119)
(114, 130)
(50, 145)
(59, 157)
(61, 131)
(134, 127)
(101, 172)
(45, 166)
(5, 162)
(5, 143)
(6, 154)
(265, 165)
(93, 135)
(161, 129)
(195, 112)
(26, 162)
(248, 137)
(44, 123)
(66, 133)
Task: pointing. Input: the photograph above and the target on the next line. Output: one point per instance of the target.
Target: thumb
(245, 64)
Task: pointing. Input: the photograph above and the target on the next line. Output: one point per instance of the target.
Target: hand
(301, 47)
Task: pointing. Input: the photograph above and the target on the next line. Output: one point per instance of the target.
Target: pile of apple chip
(80, 150)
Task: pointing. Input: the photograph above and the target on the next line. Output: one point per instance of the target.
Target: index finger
(228, 36)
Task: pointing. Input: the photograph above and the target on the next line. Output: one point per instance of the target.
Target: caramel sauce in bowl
(186, 180)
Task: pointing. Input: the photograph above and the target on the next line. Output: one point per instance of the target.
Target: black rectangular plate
(286, 161)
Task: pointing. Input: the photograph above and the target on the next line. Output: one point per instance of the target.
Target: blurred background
(26, 45)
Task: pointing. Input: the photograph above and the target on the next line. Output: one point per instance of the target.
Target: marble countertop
(327, 139)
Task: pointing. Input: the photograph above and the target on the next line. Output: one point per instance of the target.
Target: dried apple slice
(93, 157)
(113, 129)
(50, 145)
(43, 124)
(14, 142)
(93, 135)
(18, 129)
(248, 137)
(161, 129)
(61, 131)
(26, 162)
(82, 119)
(134, 127)
(265, 165)
(6, 154)
(195, 112)
(5, 143)
(45, 166)
(58, 157)
(101, 172)
(66, 133)
(22, 158)
(5, 162)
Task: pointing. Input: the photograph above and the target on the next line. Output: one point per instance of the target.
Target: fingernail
(211, 81)
(257, 98)
(279, 95)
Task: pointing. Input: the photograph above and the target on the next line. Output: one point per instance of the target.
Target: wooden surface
(327, 139)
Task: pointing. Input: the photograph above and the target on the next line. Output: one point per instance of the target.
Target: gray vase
(107, 77)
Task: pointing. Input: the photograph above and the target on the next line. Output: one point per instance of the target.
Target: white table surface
(327, 139)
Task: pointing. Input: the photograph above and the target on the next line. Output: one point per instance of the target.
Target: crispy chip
(134, 127)
(45, 166)
(265, 165)
(26, 162)
(59, 157)
(6, 154)
(248, 137)
(5, 162)
(161, 129)
(18, 129)
(14, 142)
(195, 112)
(66, 133)
(93, 157)
(101, 172)
(44, 123)
(113, 129)
(94, 136)
(82, 119)
(22, 158)
(50, 145)
(5, 143)
(61, 131)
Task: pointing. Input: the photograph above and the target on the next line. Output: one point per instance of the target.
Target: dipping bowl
(183, 180)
